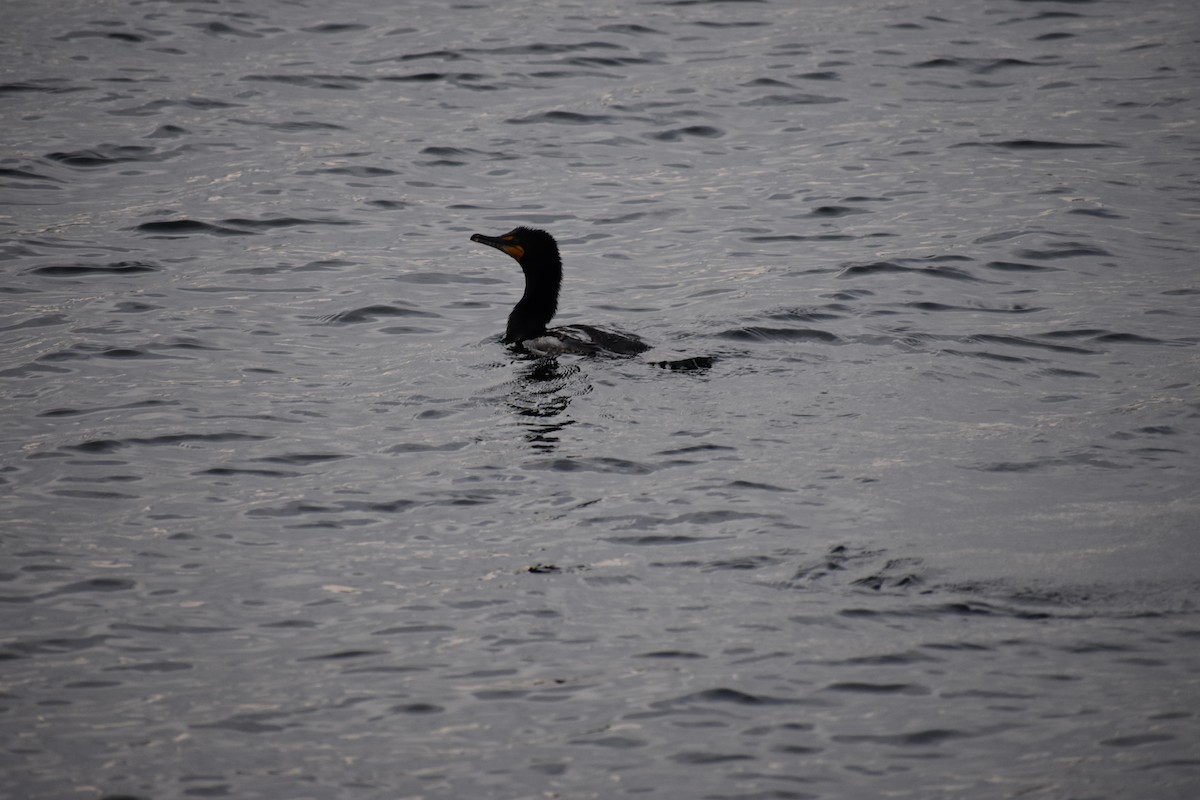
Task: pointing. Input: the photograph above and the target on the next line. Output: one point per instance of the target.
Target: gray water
(283, 519)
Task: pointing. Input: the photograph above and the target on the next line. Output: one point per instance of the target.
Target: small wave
(373, 313)
(354, 172)
(1016, 266)
(317, 81)
(618, 466)
(631, 29)
(336, 27)
(792, 100)
(678, 134)
(291, 126)
(979, 66)
(1063, 250)
(754, 333)
(1036, 144)
(563, 118)
(48, 86)
(236, 226)
(77, 270)
(883, 267)
(106, 155)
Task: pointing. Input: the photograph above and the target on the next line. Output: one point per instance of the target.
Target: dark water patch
(1137, 740)
(241, 723)
(1053, 37)
(752, 485)
(390, 205)
(173, 439)
(1016, 266)
(291, 126)
(467, 80)
(630, 29)
(685, 655)
(704, 757)
(987, 356)
(158, 106)
(756, 333)
(821, 75)
(1050, 463)
(342, 655)
(417, 628)
(84, 494)
(1036, 144)
(20, 176)
(564, 118)
(975, 309)
(336, 27)
(697, 448)
(227, 472)
(186, 227)
(358, 171)
(610, 61)
(77, 412)
(314, 81)
(1059, 372)
(153, 666)
(22, 649)
(237, 226)
(693, 131)
(723, 695)
(77, 270)
(979, 66)
(704, 23)
(1133, 338)
(1022, 341)
(46, 86)
(657, 540)
(766, 82)
(923, 738)
(222, 30)
(418, 708)
(741, 563)
(374, 313)
(808, 315)
(852, 687)
(884, 267)
(547, 48)
(272, 223)
(1102, 213)
(407, 447)
(831, 212)
(103, 585)
(302, 459)
(106, 155)
(85, 352)
(618, 466)
(796, 99)
(116, 36)
(41, 321)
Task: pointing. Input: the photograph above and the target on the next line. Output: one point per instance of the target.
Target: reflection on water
(543, 390)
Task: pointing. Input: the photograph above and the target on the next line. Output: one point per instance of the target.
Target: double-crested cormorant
(537, 253)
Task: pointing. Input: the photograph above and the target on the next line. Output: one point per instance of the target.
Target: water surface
(283, 518)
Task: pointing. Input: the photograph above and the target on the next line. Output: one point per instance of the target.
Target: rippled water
(282, 518)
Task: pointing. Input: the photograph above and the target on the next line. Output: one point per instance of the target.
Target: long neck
(536, 308)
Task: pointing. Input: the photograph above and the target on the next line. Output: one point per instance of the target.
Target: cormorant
(537, 253)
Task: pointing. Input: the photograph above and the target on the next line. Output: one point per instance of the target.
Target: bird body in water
(537, 253)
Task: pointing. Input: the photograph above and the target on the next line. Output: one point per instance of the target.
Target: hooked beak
(500, 243)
